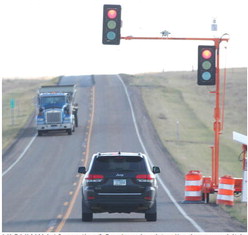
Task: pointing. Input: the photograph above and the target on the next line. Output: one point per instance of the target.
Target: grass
(23, 91)
(183, 115)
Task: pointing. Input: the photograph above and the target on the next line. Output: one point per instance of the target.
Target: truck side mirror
(75, 107)
(82, 170)
(156, 170)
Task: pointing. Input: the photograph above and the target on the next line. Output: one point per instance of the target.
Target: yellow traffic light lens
(112, 14)
(206, 54)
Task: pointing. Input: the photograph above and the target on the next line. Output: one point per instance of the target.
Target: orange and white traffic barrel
(193, 186)
(226, 191)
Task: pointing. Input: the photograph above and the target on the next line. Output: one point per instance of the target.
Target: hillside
(182, 113)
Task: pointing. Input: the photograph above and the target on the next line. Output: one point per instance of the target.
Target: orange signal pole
(217, 123)
(217, 113)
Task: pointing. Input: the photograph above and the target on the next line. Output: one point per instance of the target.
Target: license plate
(120, 182)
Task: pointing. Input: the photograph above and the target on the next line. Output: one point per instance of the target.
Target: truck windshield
(52, 101)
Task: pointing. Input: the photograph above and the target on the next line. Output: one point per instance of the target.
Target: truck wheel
(151, 214)
(76, 120)
(69, 132)
(40, 133)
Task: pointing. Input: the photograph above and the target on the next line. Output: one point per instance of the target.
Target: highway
(41, 186)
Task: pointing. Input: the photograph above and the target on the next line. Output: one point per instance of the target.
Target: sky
(64, 37)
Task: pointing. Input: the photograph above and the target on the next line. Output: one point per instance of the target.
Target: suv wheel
(151, 214)
(87, 215)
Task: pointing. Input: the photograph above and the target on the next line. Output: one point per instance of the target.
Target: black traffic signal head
(206, 65)
(111, 24)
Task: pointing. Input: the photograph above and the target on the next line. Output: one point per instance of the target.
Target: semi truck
(56, 110)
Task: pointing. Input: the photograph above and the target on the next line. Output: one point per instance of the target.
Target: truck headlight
(67, 119)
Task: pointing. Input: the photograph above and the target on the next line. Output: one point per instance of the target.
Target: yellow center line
(73, 200)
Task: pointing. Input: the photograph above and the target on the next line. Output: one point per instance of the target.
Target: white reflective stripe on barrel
(226, 186)
(225, 197)
(193, 182)
(192, 193)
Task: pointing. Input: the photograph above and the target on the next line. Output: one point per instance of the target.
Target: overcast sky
(56, 37)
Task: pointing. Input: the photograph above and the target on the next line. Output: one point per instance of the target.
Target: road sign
(12, 103)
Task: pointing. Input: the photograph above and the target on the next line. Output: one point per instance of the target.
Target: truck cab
(55, 109)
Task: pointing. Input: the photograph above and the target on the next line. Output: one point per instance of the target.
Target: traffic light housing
(111, 24)
(206, 65)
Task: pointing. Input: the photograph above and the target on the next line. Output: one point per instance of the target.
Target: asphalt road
(41, 186)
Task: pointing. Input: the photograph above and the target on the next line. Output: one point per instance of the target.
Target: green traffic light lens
(206, 76)
(111, 35)
(206, 65)
(112, 13)
(111, 24)
(206, 54)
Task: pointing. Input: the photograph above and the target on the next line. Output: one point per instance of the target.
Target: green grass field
(183, 115)
(23, 91)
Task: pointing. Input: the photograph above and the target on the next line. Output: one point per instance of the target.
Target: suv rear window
(125, 163)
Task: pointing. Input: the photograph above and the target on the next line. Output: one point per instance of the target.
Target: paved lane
(36, 190)
(114, 130)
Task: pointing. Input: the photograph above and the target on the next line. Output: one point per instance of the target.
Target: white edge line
(181, 210)
(21, 156)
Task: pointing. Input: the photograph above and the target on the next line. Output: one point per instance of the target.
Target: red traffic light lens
(112, 13)
(206, 54)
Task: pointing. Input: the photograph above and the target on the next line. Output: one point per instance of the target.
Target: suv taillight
(92, 178)
(145, 178)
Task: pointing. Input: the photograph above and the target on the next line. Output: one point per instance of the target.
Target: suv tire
(87, 215)
(151, 214)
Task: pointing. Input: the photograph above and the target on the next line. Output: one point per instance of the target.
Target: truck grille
(53, 117)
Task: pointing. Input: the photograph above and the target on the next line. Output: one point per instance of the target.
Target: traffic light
(111, 24)
(206, 65)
